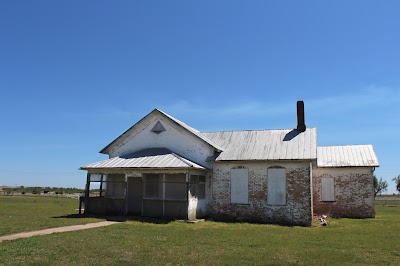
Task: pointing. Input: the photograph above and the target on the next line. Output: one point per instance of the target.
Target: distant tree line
(42, 190)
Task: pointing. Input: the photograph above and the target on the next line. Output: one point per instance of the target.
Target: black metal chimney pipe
(301, 126)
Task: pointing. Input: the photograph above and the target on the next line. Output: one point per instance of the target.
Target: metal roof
(346, 156)
(148, 158)
(285, 144)
(178, 122)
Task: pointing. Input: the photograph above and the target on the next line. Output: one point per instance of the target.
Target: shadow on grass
(118, 218)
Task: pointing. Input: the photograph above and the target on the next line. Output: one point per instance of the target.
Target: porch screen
(175, 187)
(152, 186)
(276, 186)
(240, 186)
(115, 186)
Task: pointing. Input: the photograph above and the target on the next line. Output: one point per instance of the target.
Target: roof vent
(158, 128)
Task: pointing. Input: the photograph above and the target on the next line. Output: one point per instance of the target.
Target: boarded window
(240, 186)
(327, 189)
(276, 186)
(152, 186)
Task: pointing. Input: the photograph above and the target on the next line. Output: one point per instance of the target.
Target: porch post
(163, 194)
(87, 191)
(188, 194)
(101, 185)
(126, 194)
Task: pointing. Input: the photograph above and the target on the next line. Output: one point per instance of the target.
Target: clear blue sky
(75, 74)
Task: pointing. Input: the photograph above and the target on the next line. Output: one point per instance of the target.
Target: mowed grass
(343, 242)
(21, 214)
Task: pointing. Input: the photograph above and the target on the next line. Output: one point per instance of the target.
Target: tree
(380, 185)
(397, 181)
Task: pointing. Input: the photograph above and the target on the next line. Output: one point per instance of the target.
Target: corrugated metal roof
(285, 144)
(148, 158)
(346, 156)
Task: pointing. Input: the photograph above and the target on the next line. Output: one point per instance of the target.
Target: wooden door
(135, 195)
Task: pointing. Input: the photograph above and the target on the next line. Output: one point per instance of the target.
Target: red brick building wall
(296, 211)
(353, 192)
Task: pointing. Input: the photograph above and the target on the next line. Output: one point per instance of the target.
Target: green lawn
(343, 242)
(20, 214)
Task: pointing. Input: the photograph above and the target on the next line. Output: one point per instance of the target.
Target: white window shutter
(327, 189)
(240, 186)
(276, 186)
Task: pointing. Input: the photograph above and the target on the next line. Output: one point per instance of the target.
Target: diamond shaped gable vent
(158, 128)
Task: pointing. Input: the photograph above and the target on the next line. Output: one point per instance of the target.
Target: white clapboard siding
(327, 189)
(276, 186)
(240, 186)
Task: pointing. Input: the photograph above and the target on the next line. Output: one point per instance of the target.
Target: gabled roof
(148, 158)
(189, 129)
(347, 156)
(193, 131)
(285, 144)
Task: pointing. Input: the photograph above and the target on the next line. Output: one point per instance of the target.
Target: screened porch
(153, 194)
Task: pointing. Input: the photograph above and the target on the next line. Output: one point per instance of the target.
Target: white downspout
(311, 192)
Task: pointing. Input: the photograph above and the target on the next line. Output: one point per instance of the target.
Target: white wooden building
(161, 167)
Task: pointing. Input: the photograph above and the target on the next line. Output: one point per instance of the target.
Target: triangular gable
(182, 125)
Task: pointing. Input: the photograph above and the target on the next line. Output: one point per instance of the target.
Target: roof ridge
(345, 145)
(243, 130)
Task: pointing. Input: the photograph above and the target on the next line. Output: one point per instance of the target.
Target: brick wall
(353, 190)
(297, 210)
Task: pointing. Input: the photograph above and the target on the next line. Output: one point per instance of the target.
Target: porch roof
(148, 158)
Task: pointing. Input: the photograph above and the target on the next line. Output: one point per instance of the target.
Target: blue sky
(75, 75)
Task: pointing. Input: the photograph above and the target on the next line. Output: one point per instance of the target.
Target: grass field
(343, 242)
(20, 214)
